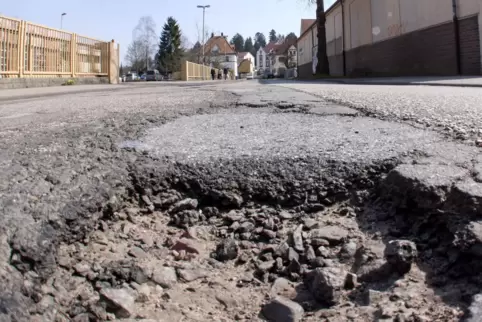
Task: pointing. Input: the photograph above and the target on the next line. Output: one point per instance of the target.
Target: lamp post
(62, 19)
(204, 13)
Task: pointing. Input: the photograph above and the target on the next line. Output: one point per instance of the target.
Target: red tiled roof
(271, 45)
(222, 43)
(283, 48)
(305, 24)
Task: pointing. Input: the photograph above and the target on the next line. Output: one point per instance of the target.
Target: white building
(261, 57)
(219, 53)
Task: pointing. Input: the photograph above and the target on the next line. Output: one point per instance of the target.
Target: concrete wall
(399, 37)
(411, 37)
(306, 49)
(420, 14)
(334, 40)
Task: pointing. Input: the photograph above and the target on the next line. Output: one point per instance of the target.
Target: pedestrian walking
(225, 73)
(220, 74)
(213, 73)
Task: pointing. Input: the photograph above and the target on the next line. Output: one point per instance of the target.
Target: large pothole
(241, 217)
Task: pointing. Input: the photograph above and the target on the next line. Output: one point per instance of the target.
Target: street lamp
(204, 12)
(62, 19)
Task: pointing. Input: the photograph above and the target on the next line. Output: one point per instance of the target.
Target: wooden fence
(31, 50)
(193, 71)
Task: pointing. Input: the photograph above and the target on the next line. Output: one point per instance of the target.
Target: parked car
(131, 77)
(153, 75)
(143, 77)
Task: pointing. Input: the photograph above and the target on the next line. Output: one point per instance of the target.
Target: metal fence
(31, 50)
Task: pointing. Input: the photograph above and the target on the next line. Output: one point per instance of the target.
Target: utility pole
(204, 13)
(62, 19)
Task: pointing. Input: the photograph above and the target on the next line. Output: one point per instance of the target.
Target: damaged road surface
(232, 202)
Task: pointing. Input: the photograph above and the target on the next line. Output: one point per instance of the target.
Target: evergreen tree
(259, 41)
(291, 36)
(272, 35)
(238, 42)
(170, 51)
(248, 45)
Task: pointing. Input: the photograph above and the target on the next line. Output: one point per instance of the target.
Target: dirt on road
(234, 202)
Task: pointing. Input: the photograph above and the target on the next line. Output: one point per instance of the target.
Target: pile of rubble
(171, 260)
(360, 249)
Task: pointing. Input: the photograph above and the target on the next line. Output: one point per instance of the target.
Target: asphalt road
(455, 111)
(62, 153)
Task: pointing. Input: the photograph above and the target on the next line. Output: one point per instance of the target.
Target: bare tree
(135, 55)
(207, 33)
(144, 34)
(186, 44)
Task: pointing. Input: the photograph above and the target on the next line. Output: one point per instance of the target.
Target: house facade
(398, 38)
(276, 57)
(219, 53)
(282, 57)
(263, 61)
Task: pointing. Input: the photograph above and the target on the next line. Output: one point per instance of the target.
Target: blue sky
(110, 19)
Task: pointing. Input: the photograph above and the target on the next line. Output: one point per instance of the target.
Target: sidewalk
(33, 92)
(454, 81)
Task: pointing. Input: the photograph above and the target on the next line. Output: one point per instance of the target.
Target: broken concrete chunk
(137, 252)
(164, 276)
(187, 245)
(82, 268)
(186, 204)
(350, 281)
(266, 266)
(400, 254)
(466, 197)
(326, 284)
(227, 250)
(310, 254)
(293, 255)
(189, 275)
(283, 287)
(373, 297)
(119, 301)
(297, 238)
(282, 250)
(285, 215)
(333, 234)
(348, 250)
(425, 184)
(475, 309)
(281, 309)
(310, 223)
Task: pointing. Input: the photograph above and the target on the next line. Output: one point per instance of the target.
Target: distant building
(218, 52)
(245, 63)
(263, 63)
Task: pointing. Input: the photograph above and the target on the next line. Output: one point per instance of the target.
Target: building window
(227, 58)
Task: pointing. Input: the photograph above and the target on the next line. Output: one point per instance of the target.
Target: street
(218, 201)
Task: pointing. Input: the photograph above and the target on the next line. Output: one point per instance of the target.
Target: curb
(401, 83)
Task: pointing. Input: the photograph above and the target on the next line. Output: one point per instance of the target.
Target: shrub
(70, 82)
